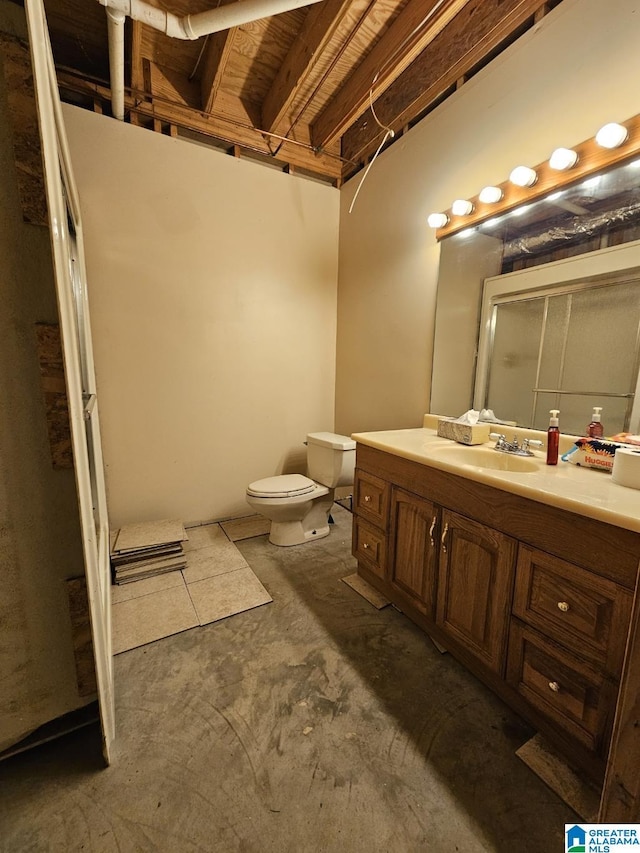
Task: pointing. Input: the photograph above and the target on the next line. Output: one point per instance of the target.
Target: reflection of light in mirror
(592, 182)
(635, 164)
(555, 196)
(520, 210)
(491, 223)
(468, 232)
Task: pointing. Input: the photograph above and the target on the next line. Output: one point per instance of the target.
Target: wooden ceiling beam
(406, 38)
(478, 30)
(137, 72)
(318, 29)
(217, 53)
(323, 164)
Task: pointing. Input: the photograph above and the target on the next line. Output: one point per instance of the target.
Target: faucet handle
(496, 436)
(531, 442)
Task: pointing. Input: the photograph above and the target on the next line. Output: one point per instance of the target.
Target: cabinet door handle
(365, 545)
(563, 605)
(444, 536)
(433, 524)
(367, 499)
(553, 685)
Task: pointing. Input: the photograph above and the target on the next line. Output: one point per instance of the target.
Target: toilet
(299, 506)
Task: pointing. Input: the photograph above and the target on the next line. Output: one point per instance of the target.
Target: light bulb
(437, 220)
(461, 207)
(563, 158)
(523, 176)
(490, 195)
(611, 135)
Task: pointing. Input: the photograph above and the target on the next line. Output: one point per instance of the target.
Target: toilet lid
(283, 486)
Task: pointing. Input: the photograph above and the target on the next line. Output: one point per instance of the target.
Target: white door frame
(65, 228)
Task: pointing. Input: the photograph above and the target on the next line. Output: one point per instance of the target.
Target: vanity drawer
(370, 546)
(371, 498)
(565, 688)
(581, 610)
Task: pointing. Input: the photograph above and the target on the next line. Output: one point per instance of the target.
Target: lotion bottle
(553, 437)
(595, 428)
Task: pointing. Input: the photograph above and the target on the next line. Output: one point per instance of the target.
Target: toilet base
(314, 525)
(286, 533)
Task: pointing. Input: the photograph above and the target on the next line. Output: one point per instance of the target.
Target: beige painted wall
(213, 288)
(39, 526)
(573, 72)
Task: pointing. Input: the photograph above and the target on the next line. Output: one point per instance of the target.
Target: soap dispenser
(553, 437)
(595, 428)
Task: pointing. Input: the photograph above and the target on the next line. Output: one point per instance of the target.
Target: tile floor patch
(224, 595)
(203, 536)
(136, 589)
(146, 533)
(212, 560)
(151, 617)
(368, 592)
(246, 528)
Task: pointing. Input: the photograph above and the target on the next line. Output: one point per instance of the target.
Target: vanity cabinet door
(413, 550)
(475, 582)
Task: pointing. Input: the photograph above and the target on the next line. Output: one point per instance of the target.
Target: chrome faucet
(515, 447)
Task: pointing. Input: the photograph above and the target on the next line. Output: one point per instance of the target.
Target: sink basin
(486, 457)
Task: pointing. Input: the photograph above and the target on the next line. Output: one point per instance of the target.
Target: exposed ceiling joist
(319, 27)
(407, 37)
(296, 87)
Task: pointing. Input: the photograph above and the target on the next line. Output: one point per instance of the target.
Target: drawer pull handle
(433, 524)
(365, 545)
(443, 538)
(367, 499)
(563, 605)
(553, 685)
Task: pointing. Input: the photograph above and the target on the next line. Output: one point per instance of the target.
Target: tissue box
(463, 433)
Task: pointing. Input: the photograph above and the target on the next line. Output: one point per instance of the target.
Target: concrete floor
(315, 723)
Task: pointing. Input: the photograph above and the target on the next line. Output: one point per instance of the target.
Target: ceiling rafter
(216, 56)
(319, 27)
(406, 38)
(476, 32)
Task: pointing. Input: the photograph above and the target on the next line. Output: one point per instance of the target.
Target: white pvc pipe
(115, 24)
(203, 23)
(189, 27)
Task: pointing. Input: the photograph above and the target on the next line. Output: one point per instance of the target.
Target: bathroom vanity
(526, 573)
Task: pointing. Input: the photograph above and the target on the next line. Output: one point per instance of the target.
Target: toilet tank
(331, 459)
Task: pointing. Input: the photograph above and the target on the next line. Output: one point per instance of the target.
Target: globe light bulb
(461, 207)
(563, 158)
(611, 135)
(490, 195)
(523, 176)
(437, 220)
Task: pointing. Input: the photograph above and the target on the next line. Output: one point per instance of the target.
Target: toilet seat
(282, 486)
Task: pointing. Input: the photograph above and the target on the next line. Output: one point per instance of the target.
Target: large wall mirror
(540, 309)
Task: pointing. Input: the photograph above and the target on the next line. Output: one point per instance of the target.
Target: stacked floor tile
(147, 549)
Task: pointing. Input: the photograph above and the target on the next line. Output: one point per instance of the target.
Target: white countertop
(584, 491)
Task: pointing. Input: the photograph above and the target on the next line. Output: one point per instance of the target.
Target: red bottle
(553, 437)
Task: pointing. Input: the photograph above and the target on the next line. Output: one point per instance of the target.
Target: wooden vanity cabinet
(536, 601)
(475, 579)
(412, 551)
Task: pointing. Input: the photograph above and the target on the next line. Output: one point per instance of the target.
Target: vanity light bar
(613, 144)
